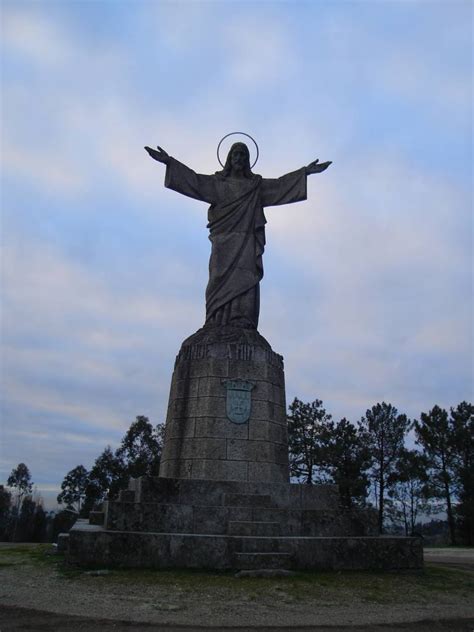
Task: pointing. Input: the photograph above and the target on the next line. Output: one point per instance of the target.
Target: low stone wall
(93, 546)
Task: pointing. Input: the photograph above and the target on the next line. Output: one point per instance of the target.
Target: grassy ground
(434, 583)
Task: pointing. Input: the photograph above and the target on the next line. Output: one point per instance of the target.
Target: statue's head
(238, 160)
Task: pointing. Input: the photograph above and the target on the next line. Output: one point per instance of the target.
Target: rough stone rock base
(201, 441)
(163, 523)
(91, 545)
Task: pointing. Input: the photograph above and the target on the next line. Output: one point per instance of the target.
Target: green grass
(434, 583)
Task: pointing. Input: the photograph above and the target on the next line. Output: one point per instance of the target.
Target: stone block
(127, 495)
(239, 514)
(185, 388)
(211, 407)
(215, 427)
(204, 448)
(262, 430)
(211, 387)
(248, 370)
(210, 520)
(253, 528)
(319, 497)
(294, 496)
(210, 367)
(317, 523)
(150, 517)
(262, 410)
(184, 407)
(262, 544)
(236, 499)
(276, 376)
(272, 472)
(278, 395)
(63, 542)
(176, 468)
(263, 560)
(289, 520)
(220, 470)
(256, 451)
(180, 428)
(263, 391)
(202, 492)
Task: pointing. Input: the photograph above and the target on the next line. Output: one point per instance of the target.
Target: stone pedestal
(223, 499)
(213, 368)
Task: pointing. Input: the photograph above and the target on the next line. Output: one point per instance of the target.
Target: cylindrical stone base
(221, 377)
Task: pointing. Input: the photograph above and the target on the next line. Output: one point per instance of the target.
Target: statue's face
(238, 158)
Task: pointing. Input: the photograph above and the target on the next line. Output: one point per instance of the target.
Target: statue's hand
(317, 167)
(159, 155)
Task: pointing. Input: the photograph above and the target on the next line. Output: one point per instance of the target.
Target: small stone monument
(223, 498)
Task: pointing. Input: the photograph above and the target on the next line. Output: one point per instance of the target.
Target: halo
(232, 134)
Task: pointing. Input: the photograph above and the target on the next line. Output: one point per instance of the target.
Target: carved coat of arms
(238, 402)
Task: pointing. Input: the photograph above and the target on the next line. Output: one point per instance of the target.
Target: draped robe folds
(237, 234)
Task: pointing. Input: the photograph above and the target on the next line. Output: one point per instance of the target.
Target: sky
(368, 284)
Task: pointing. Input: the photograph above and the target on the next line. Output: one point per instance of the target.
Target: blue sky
(368, 284)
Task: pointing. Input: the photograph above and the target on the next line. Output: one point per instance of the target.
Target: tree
(107, 476)
(386, 431)
(24, 530)
(462, 441)
(411, 488)
(304, 434)
(40, 524)
(140, 449)
(434, 434)
(61, 523)
(345, 457)
(5, 506)
(20, 479)
(74, 488)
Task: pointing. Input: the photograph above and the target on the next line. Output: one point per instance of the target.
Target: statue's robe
(237, 233)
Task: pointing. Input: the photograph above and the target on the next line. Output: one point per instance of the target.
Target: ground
(38, 593)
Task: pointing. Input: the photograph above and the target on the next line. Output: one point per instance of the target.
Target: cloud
(35, 37)
(367, 288)
(258, 49)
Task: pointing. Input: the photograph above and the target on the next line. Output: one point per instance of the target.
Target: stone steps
(260, 560)
(253, 528)
(248, 500)
(252, 544)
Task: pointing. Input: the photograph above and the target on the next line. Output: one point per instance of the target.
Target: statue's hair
(228, 165)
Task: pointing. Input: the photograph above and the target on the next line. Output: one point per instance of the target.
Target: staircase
(259, 542)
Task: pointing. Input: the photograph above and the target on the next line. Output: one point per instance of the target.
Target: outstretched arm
(159, 155)
(317, 167)
(183, 179)
(290, 187)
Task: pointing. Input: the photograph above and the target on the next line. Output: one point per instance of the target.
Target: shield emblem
(238, 402)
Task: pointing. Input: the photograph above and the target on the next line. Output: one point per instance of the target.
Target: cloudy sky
(368, 285)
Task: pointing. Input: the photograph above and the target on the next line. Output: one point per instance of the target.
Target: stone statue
(237, 227)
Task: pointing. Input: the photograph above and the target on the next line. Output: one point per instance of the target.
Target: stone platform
(163, 523)
(223, 499)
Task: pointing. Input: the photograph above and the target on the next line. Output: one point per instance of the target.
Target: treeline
(138, 454)
(371, 462)
(22, 516)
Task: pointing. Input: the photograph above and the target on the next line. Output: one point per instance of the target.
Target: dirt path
(38, 593)
(21, 619)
